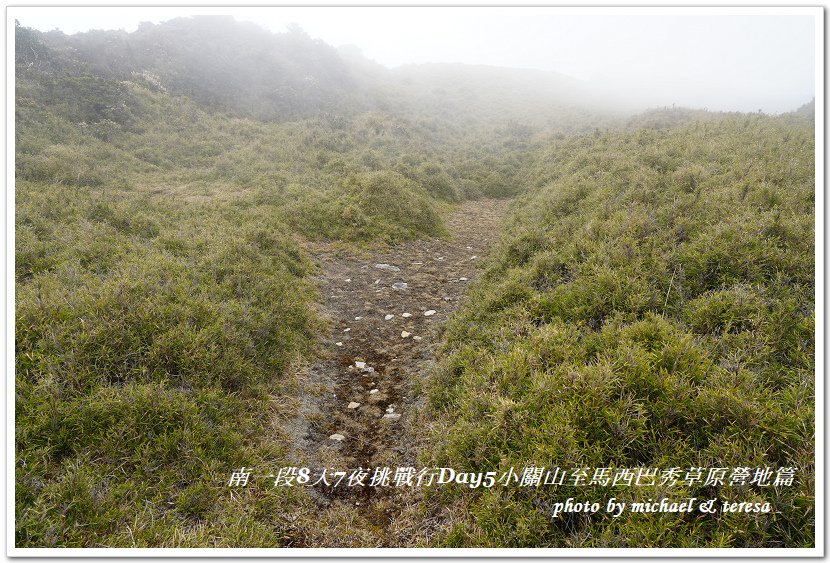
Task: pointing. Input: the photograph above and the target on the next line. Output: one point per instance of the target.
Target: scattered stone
(462, 279)
(348, 280)
(392, 415)
(417, 263)
(469, 248)
(338, 343)
(417, 338)
(358, 318)
(387, 267)
(353, 405)
(406, 315)
(337, 437)
(405, 334)
(360, 365)
(429, 313)
(440, 258)
(473, 257)
(373, 391)
(399, 285)
(377, 281)
(346, 329)
(368, 369)
(447, 298)
(390, 409)
(388, 317)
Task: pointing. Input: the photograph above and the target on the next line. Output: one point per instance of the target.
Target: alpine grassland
(650, 305)
(163, 306)
(649, 302)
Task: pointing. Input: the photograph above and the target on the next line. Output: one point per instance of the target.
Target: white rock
(346, 329)
(392, 415)
(390, 409)
(429, 313)
(377, 281)
(360, 365)
(387, 267)
(417, 338)
(337, 437)
(473, 257)
(353, 405)
(406, 315)
(405, 334)
(388, 317)
(368, 369)
(462, 279)
(348, 280)
(373, 391)
(399, 285)
(338, 343)
(469, 248)
(358, 318)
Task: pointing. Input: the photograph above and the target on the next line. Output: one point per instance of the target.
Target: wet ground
(383, 340)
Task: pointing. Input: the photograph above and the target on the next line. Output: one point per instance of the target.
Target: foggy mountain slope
(221, 64)
(481, 85)
(244, 70)
(240, 252)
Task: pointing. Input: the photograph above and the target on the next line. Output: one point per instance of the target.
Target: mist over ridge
(724, 63)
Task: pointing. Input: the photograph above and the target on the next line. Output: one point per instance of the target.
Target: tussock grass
(162, 300)
(650, 305)
(149, 337)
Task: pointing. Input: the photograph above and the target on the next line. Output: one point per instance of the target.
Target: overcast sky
(723, 62)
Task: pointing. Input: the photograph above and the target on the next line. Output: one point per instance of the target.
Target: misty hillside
(244, 70)
(220, 63)
(243, 250)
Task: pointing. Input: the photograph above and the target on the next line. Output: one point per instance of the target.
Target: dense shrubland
(651, 304)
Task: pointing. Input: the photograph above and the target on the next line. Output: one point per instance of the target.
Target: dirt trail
(397, 352)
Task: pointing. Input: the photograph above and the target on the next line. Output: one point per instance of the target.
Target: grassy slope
(161, 298)
(652, 304)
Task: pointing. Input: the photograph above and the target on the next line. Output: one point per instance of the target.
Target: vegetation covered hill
(162, 299)
(650, 303)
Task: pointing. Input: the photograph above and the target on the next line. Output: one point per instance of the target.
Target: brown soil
(356, 297)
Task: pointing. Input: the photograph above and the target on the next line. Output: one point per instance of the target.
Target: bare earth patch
(362, 399)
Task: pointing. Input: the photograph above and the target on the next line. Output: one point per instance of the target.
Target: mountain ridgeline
(649, 301)
(243, 70)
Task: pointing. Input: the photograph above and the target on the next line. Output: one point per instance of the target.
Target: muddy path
(384, 308)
